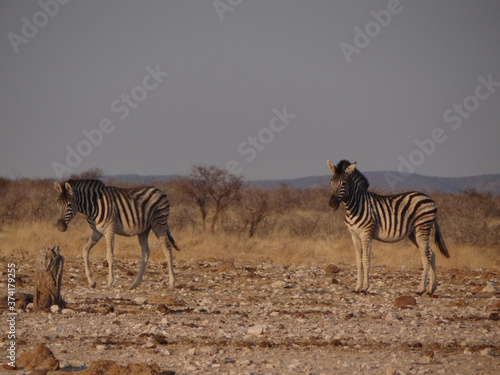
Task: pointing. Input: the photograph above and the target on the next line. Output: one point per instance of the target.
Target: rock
(140, 300)
(494, 316)
(278, 284)
(40, 359)
(331, 268)
(487, 352)
(256, 330)
(392, 316)
(54, 308)
(405, 301)
(490, 287)
(67, 311)
(192, 351)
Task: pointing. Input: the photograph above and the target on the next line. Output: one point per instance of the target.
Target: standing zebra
(384, 218)
(112, 210)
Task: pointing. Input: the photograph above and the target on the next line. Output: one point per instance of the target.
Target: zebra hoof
(92, 284)
(109, 285)
(133, 286)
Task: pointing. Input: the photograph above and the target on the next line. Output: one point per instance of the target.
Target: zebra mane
(88, 184)
(356, 176)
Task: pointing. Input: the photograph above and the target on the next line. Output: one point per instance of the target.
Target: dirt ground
(265, 318)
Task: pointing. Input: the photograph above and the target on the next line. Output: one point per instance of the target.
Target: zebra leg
(110, 242)
(143, 242)
(432, 281)
(359, 265)
(167, 249)
(94, 238)
(366, 253)
(426, 254)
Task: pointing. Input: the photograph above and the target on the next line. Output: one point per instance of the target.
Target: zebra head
(66, 203)
(338, 183)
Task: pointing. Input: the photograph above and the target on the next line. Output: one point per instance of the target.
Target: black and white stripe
(385, 218)
(111, 210)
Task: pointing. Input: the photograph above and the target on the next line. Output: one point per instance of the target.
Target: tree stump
(48, 276)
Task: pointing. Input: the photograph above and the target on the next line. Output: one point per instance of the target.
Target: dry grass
(299, 228)
(27, 239)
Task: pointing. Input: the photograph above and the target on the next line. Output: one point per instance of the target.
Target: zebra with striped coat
(112, 210)
(385, 218)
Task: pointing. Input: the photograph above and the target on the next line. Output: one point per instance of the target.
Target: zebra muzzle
(334, 202)
(61, 225)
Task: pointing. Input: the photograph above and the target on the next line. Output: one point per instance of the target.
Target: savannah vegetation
(218, 215)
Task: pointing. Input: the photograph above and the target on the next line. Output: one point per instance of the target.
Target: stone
(405, 301)
(40, 359)
(392, 316)
(54, 308)
(256, 330)
(278, 284)
(140, 300)
(490, 287)
(487, 352)
(332, 269)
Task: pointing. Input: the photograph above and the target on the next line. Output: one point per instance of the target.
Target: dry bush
(469, 218)
(254, 208)
(27, 200)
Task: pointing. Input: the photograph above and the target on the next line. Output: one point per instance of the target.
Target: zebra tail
(438, 237)
(172, 241)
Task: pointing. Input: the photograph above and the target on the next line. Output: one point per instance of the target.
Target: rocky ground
(265, 318)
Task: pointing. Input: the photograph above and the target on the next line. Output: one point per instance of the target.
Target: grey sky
(230, 74)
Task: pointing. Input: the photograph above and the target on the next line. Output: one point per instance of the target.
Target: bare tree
(209, 182)
(195, 186)
(93, 173)
(255, 207)
(224, 189)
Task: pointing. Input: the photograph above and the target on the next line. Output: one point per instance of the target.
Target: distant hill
(138, 179)
(481, 184)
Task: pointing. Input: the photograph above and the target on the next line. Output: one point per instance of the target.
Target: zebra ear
(351, 168)
(330, 166)
(68, 187)
(58, 187)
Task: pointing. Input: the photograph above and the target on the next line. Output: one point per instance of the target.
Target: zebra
(111, 210)
(385, 218)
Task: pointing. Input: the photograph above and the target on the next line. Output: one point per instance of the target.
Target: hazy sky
(269, 88)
